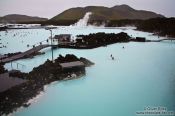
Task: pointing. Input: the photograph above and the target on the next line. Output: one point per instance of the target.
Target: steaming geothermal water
(142, 75)
(84, 21)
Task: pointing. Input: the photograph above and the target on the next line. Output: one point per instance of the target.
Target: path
(26, 53)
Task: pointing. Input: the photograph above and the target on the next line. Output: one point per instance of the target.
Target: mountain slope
(16, 18)
(104, 13)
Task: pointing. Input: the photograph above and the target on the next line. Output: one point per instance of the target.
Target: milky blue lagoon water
(142, 75)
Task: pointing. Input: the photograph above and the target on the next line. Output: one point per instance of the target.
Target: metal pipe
(51, 44)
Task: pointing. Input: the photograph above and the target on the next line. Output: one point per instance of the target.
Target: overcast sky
(50, 8)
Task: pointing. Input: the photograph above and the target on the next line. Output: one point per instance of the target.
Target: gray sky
(50, 8)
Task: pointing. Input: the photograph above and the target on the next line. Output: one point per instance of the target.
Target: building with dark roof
(76, 66)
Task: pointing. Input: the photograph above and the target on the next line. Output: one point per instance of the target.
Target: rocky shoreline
(40, 76)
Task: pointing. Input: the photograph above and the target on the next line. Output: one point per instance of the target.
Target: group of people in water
(112, 57)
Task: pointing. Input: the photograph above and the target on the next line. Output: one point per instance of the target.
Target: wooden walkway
(160, 40)
(26, 53)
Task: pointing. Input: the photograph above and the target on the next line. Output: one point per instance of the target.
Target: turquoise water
(142, 74)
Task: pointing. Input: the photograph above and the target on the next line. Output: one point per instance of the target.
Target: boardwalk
(160, 40)
(26, 53)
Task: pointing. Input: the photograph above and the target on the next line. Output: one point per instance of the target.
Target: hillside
(16, 18)
(104, 13)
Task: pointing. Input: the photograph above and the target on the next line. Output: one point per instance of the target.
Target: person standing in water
(112, 57)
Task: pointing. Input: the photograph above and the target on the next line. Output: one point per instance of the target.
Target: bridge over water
(161, 40)
(26, 53)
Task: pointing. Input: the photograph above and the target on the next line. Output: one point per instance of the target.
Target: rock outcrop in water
(4, 28)
(44, 74)
(97, 40)
(100, 39)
